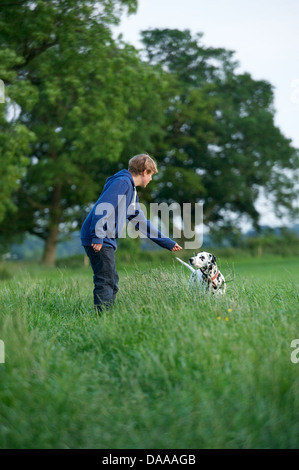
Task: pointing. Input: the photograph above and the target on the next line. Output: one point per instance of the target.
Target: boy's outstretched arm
(146, 227)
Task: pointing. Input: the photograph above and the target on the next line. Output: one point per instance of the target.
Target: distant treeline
(284, 242)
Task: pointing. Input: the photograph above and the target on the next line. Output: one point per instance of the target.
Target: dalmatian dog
(207, 275)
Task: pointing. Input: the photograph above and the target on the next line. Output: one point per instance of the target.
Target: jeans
(105, 277)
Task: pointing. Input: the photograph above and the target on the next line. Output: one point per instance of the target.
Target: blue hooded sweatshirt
(118, 203)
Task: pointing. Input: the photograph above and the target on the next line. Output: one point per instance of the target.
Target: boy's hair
(142, 162)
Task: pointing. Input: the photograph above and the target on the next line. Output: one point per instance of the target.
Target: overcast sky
(263, 33)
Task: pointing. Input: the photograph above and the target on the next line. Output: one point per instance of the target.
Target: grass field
(164, 369)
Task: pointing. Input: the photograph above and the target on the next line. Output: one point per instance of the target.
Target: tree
(78, 85)
(15, 138)
(220, 144)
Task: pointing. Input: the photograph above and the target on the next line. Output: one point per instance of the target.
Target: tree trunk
(49, 255)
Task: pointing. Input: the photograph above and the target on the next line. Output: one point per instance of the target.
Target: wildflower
(218, 318)
(226, 319)
(229, 310)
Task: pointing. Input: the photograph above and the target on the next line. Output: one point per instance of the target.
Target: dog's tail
(186, 264)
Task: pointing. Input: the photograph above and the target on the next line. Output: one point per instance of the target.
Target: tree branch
(34, 204)
(37, 234)
(34, 53)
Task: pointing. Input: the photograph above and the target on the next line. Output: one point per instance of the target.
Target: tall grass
(165, 368)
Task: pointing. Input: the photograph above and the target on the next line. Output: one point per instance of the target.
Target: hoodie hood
(122, 174)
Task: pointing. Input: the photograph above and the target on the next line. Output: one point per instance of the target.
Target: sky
(263, 33)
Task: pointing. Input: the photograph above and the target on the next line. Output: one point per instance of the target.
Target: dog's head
(204, 261)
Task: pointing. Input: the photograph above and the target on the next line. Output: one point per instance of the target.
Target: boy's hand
(96, 246)
(176, 247)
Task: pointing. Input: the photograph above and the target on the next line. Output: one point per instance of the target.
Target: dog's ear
(214, 259)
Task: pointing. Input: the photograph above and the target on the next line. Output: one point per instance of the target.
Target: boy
(117, 203)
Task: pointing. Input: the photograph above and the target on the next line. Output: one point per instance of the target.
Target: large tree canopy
(73, 86)
(221, 145)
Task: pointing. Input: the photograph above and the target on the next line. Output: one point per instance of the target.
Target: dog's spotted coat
(207, 274)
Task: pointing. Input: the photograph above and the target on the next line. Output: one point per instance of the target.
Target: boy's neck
(136, 179)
